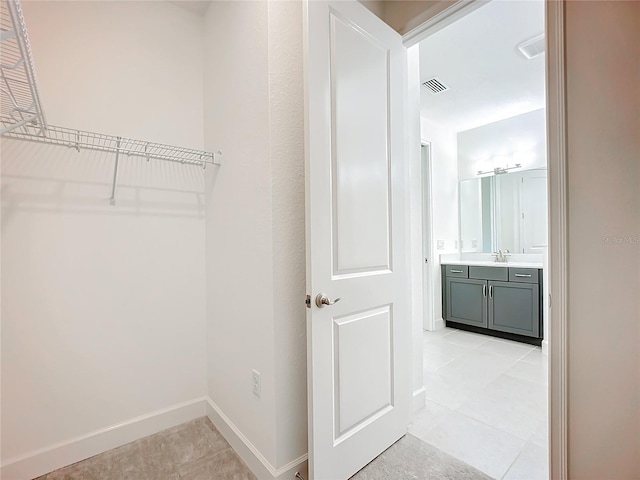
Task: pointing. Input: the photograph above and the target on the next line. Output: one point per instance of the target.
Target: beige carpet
(192, 451)
(411, 458)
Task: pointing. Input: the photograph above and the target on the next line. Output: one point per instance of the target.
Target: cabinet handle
(460, 271)
(490, 291)
(484, 290)
(523, 275)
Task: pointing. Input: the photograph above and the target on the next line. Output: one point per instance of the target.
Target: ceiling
(478, 59)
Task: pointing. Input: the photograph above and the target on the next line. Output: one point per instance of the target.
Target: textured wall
(240, 302)
(255, 223)
(286, 123)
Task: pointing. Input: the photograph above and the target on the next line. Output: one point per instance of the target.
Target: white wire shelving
(81, 139)
(19, 100)
(22, 117)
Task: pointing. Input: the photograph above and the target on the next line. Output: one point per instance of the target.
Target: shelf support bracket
(112, 199)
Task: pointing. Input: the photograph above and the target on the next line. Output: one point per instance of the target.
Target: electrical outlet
(440, 245)
(257, 383)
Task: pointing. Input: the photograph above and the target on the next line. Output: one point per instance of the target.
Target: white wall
(471, 215)
(519, 139)
(603, 118)
(508, 210)
(103, 307)
(123, 68)
(444, 172)
(255, 223)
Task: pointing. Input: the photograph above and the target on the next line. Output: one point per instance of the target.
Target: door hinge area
(308, 301)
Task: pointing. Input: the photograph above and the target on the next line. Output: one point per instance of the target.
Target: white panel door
(359, 348)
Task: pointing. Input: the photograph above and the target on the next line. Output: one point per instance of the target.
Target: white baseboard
(45, 460)
(248, 452)
(545, 347)
(419, 399)
(438, 324)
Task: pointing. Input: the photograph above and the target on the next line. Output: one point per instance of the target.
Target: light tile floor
(486, 403)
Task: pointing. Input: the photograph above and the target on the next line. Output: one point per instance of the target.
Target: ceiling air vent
(435, 85)
(532, 47)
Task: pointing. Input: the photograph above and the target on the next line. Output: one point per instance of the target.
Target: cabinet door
(514, 308)
(467, 301)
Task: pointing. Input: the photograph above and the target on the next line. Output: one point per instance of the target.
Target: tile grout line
(526, 440)
(529, 441)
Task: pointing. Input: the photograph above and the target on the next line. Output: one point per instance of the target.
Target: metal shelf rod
(112, 200)
(18, 124)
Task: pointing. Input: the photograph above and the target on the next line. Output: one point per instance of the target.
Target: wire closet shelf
(80, 139)
(22, 117)
(19, 99)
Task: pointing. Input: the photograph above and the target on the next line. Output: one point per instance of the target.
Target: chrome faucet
(501, 256)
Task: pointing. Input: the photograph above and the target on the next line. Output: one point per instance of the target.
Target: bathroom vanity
(495, 298)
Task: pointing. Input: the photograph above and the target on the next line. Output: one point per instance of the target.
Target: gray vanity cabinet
(466, 301)
(514, 308)
(499, 299)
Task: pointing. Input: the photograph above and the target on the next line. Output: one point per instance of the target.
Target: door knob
(322, 300)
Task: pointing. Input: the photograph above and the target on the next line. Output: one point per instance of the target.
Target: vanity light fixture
(499, 164)
(499, 170)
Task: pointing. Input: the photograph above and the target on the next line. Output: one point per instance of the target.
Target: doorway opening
(483, 132)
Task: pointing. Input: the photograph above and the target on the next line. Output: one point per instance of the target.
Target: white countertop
(484, 263)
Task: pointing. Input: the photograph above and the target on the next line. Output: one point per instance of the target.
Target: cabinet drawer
(524, 275)
(460, 271)
(489, 273)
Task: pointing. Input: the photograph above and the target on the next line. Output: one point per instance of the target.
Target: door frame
(557, 209)
(429, 322)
